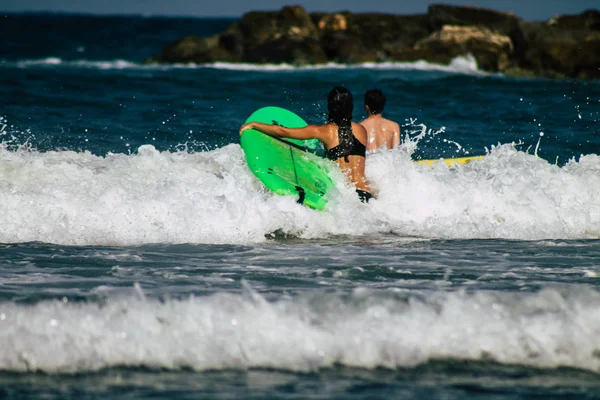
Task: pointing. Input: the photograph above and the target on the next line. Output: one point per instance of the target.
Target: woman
(344, 140)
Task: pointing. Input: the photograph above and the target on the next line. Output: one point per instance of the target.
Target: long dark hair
(340, 107)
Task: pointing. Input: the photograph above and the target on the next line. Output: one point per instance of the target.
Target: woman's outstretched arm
(308, 132)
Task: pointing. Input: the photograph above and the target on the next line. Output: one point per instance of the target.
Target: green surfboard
(287, 167)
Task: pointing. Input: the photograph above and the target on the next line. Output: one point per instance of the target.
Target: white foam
(58, 62)
(74, 198)
(465, 65)
(509, 194)
(366, 330)
(462, 64)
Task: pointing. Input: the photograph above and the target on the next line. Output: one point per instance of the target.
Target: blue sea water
(140, 258)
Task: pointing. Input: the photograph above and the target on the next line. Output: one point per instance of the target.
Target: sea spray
(150, 196)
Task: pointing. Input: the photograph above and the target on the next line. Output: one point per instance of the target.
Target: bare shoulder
(327, 134)
(356, 125)
(319, 130)
(392, 124)
(359, 131)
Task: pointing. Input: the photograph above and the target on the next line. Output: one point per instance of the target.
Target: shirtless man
(380, 131)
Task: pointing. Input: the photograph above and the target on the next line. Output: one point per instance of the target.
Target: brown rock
(351, 38)
(491, 50)
(286, 36)
(440, 15)
(198, 50)
(589, 19)
(333, 22)
(553, 51)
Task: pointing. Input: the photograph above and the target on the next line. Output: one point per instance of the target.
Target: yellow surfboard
(451, 162)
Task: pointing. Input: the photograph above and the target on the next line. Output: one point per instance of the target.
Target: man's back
(381, 132)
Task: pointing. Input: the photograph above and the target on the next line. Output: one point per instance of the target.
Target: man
(380, 131)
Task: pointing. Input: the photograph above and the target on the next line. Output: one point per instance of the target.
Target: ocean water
(140, 258)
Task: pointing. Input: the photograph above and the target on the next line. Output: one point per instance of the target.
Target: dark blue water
(140, 258)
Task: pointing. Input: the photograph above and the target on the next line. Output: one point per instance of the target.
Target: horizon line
(196, 16)
(114, 14)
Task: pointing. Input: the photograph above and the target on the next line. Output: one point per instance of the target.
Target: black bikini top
(357, 149)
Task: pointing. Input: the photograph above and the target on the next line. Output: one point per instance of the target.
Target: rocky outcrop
(557, 52)
(589, 19)
(492, 50)
(279, 37)
(352, 38)
(504, 23)
(565, 46)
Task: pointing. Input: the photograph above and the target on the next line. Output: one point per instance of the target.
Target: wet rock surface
(566, 46)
